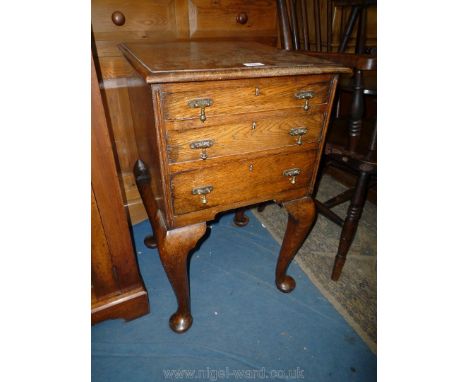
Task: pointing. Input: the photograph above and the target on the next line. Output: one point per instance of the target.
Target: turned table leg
(301, 215)
(173, 245)
(240, 219)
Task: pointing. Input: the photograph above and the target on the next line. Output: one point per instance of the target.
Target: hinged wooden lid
(207, 61)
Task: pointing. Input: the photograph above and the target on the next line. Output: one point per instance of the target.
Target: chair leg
(340, 199)
(356, 113)
(328, 213)
(351, 223)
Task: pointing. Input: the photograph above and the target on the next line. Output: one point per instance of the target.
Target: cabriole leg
(302, 214)
(174, 248)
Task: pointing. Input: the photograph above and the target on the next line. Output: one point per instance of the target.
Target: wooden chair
(357, 16)
(347, 157)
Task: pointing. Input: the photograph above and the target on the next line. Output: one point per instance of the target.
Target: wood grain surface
(211, 19)
(240, 96)
(218, 60)
(114, 268)
(242, 180)
(255, 132)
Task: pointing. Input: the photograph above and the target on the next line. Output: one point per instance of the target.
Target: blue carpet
(242, 323)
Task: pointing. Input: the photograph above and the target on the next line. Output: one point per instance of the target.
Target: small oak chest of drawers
(221, 126)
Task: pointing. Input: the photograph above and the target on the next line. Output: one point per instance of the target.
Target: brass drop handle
(291, 174)
(305, 95)
(203, 191)
(298, 132)
(201, 103)
(203, 145)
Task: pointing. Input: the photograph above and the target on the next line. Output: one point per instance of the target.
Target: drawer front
(203, 100)
(241, 181)
(145, 20)
(232, 18)
(245, 134)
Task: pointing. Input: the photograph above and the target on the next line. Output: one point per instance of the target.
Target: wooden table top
(205, 61)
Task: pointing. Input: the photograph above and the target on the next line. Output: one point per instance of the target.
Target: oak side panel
(102, 277)
(117, 103)
(108, 195)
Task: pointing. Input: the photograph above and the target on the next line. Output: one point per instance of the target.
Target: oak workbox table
(219, 126)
